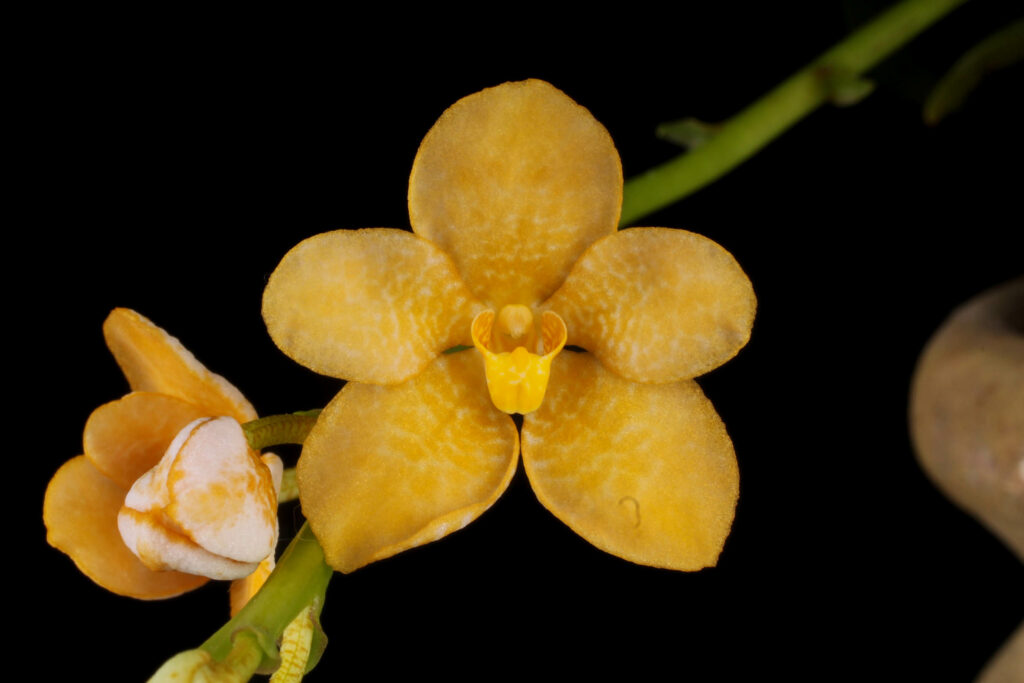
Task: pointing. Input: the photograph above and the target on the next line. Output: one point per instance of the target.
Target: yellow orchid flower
(162, 431)
(514, 199)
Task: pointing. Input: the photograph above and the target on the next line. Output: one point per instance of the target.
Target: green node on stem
(834, 76)
(299, 580)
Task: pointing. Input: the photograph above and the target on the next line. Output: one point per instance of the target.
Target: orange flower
(159, 429)
(514, 199)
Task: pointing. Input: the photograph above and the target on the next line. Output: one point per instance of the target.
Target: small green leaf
(1000, 50)
(316, 649)
(844, 88)
(289, 486)
(689, 133)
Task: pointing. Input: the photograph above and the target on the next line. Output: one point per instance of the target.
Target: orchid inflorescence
(514, 293)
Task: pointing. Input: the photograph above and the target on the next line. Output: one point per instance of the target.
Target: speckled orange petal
(125, 438)
(243, 590)
(657, 305)
(160, 548)
(367, 305)
(515, 182)
(221, 494)
(388, 468)
(80, 513)
(643, 471)
(153, 360)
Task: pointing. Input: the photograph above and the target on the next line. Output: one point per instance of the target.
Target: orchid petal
(153, 360)
(161, 549)
(209, 507)
(388, 468)
(243, 590)
(80, 512)
(643, 471)
(515, 182)
(125, 438)
(222, 495)
(367, 305)
(657, 305)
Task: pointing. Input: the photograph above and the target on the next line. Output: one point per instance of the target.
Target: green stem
(1000, 50)
(299, 580)
(243, 660)
(275, 430)
(757, 125)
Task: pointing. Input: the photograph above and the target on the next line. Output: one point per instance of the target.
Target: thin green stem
(1000, 50)
(289, 486)
(748, 131)
(275, 430)
(243, 660)
(299, 580)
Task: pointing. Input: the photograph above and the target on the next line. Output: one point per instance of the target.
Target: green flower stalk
(833, 76)
(298, 582)
(278, 629)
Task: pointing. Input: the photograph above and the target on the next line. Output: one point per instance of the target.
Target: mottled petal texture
(80, 513)
(161, 549)
(125, 442)
(657, 305)
(373, 305)
(153, 360)
(243, 590)
(221, 493)
(127, 437)
(388, 468)
(642, 471)
(209, 507)
(514, 182)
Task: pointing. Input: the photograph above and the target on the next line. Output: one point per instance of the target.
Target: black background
(171, 167)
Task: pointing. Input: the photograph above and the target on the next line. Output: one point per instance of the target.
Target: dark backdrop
(176, 167)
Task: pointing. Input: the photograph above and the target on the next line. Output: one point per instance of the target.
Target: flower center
(517, 355)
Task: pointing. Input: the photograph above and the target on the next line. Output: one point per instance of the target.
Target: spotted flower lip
(123, 440)
(514, 199)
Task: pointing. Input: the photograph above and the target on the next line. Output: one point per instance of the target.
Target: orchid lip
(517, 355)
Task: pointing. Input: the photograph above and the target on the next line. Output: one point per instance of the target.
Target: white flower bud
(209, 507)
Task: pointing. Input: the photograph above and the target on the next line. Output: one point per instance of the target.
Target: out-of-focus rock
(967, 410)
(1007, 666)
(967, 423)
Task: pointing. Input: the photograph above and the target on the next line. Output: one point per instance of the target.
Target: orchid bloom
(514, 199)
(171, 461)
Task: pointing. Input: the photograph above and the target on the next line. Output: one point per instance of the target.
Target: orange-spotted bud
(517, 360)
(209, 507)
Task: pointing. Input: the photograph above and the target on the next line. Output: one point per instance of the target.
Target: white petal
(209, 507)
(161, 549)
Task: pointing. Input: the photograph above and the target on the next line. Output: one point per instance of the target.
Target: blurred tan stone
(967, 423)
(1007, 666)
(967, 410)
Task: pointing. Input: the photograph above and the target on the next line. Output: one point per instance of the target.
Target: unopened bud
(209, 507)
